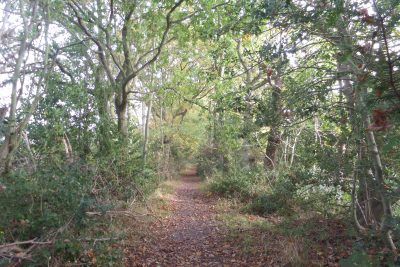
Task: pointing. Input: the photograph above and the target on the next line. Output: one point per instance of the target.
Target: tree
(17, 121)
(126, 51)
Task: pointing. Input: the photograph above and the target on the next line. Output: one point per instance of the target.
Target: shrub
(264, 204)
(36, 204)
(231, 186)
(242, 184)
(277, 199)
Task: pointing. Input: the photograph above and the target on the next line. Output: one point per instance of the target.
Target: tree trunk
(247, 123)
(293, 152)
(102, 95)
(121, 104)
(274, 136)
(147, 129)
(378, 176)
(271, 151)
(13, 134)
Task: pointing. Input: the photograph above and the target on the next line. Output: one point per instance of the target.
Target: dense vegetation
(291, 107)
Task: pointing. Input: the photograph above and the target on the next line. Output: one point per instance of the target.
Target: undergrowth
(312, 217)
(254, 189)
(69, 207)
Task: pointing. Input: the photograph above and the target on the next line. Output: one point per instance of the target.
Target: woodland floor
(195, 229)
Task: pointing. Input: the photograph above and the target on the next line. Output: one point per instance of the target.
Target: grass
(157, 202)
(255, 234)
(290, 240)
(154, 208)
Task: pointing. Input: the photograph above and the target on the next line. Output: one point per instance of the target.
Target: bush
(278, 199)
(242, 184)
(207, 162)
(264, 204)
(36, 204)
(231, 186)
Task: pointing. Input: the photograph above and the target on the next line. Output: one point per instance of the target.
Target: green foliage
(208, 162)
(357, 259)
(35, 204)
(69, 251)
(305, 78)
(278, 199)
(232, 185)
(266, 204)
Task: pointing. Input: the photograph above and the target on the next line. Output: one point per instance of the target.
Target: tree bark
(274, 136)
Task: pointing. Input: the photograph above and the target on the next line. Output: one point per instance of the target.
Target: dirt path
(191, 236)
(198, 230)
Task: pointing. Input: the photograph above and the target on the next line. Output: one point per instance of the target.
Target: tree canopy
(289, 107)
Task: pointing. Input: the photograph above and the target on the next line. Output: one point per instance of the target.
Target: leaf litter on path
(193, 234)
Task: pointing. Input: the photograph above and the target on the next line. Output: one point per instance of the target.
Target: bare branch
(148, 53)
(125, 46)
(28, 242)
(64, 70)
(99, 45)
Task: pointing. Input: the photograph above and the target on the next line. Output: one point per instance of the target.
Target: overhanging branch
(159, 47)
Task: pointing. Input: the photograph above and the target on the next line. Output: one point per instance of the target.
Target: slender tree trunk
(123, 121)
(271, 151)
(147, 129)
(68, 149)
(378, 170)
(247, 121)
(28, 147)
(383, 201)
(293, 152)
(163, 156)
(103, 93)
(371, 204)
